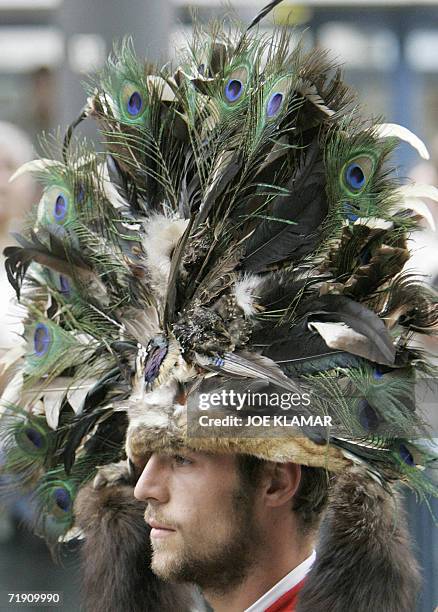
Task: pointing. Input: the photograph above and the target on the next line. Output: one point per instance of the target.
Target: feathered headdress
(242, 230)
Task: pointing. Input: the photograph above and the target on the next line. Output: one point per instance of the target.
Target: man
(244, 530)
(227, 524)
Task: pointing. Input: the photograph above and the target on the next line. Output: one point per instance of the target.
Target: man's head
(221, 514)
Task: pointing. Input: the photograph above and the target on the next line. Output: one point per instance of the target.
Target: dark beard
(223, 569)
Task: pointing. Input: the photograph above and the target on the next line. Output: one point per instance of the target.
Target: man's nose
(152, 483)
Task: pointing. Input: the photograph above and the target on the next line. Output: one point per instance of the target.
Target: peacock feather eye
(236, 84)
(377, 373)
(59, 200)
(50, 347)
(41, 339)
(32, 438)
(135, 104)
(132, 102)
(276, 97)
(60, 208)
(406, 455)
(274, 104)
(355, 176)
(233, 90)
(62, 499)
(368, 416)
(56, 206)
(56, 498)
(357, 173)
(64, 285)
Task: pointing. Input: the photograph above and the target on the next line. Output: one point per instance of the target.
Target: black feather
(299, 213)
(217, 189)
(125, 188)
(110, 388)
(265, 11)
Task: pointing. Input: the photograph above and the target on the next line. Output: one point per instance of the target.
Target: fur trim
(364, 561)
(116, 556)
(167, 430)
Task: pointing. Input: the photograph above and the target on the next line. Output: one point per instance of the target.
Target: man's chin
(166, 565)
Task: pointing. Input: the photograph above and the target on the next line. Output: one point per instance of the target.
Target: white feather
(107, 102)
(374, 223)
(221, 163)
(340, 336)
(420, 208)
(75, 533)
(11, 356)
(34, 167)
(55, 392)
(156, 418)
(311, 93)
(393, 130)
(110, 191)
(411, 200)
(141, 324)
(162, 234)
(161, 86)
(76, 395)
(12, 394)
(52, 407)
(419, 190)
(244, 292)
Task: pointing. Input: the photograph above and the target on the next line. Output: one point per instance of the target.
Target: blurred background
(47, 47)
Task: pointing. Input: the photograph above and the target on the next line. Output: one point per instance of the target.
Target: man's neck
(262, 576)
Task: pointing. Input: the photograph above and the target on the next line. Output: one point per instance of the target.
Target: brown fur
(364, 560)
(171, 433)
(116, 556)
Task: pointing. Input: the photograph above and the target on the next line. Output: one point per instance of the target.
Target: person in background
(16, 198)
(424, 244)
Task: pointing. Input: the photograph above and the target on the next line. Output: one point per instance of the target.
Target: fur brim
(158, 431)
(364, 559)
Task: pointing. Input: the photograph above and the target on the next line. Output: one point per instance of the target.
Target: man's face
(205, 527)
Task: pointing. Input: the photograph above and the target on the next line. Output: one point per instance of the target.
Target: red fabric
(288, 601)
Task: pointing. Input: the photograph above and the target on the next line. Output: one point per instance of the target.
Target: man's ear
(282, 482)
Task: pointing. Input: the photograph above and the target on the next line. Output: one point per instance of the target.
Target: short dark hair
(310, 500)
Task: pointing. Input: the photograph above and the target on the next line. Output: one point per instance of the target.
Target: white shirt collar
(285, 584)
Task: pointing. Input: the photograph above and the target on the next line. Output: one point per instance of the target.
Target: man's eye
(135, 469)
(181, 460)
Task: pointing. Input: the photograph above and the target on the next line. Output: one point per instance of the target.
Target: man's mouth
(158, 530)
